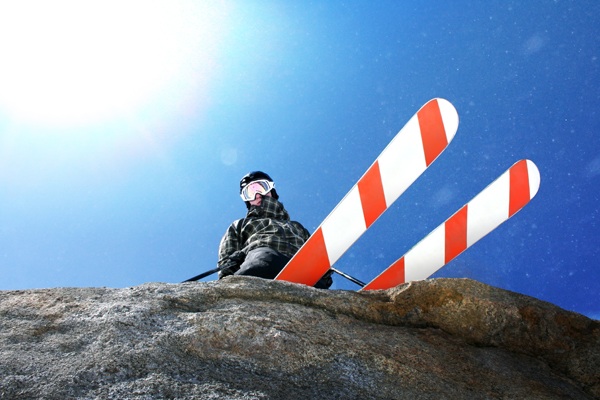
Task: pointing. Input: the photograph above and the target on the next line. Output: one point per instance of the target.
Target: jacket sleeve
(230, 243)
(305, 232)
(231, 254)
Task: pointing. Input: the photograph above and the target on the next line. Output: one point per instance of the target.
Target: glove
(232, 263)
(325, 282)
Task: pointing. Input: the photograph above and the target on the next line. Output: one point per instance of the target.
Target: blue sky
(121, 149)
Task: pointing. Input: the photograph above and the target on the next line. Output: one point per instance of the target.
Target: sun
(71, 62)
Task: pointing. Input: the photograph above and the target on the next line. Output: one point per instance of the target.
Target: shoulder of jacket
(237, 221)
(239, 224)
(299, 225)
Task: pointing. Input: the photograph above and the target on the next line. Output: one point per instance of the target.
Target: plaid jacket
(267, 225)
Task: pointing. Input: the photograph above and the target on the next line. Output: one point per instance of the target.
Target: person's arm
(230, 254)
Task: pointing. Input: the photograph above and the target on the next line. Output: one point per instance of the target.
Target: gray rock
(248, 338)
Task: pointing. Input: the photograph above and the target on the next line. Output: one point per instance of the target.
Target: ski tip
(449, 116)
(534, 178)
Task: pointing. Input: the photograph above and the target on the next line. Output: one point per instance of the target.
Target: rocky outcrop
(248, 338)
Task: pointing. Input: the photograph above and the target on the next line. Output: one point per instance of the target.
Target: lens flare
(69, 62)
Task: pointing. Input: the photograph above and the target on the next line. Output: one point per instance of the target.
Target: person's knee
(263, 263)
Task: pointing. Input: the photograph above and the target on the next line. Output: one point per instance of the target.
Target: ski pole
(337, 271)
(202, 275)
(350, 278)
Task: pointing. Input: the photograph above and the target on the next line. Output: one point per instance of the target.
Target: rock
(248, 338)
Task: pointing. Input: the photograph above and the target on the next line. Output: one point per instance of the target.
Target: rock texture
(248, 338)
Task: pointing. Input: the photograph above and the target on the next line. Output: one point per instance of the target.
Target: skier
(264, 241)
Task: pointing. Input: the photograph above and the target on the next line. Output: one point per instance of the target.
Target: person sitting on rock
(263, 242)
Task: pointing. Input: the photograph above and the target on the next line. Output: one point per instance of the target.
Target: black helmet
(255, 176)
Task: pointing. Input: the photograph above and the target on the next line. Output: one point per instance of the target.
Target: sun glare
(72, 62)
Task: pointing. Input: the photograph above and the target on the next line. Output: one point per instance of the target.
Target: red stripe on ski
(519, 187)
(393, 276)
(456, 234)
(372, 198)
(433, 133)
(310, 264)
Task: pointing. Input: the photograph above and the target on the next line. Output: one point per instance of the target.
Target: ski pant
(267, 263)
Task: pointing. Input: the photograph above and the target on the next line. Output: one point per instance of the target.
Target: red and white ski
(405, 158)
(492, 206)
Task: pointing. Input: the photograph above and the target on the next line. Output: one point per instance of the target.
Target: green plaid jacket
(267, 225)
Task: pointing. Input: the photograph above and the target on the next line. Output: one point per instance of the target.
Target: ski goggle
(261, 186)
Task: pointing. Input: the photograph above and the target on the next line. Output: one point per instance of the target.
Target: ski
(495, 204)
(404, 159)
